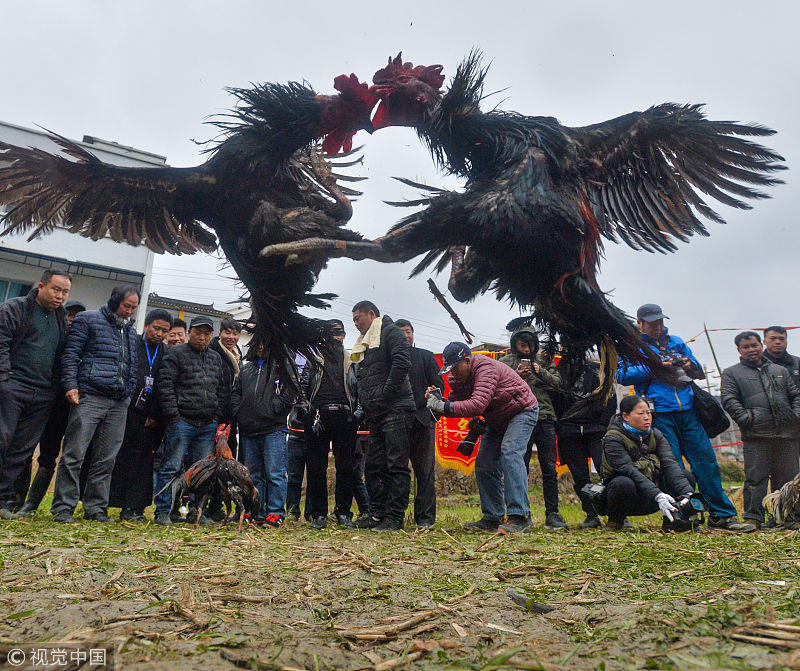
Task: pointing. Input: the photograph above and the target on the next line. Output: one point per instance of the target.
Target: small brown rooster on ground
(218, 475)
(784, 504)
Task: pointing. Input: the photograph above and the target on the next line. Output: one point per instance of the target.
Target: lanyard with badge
(149, 380)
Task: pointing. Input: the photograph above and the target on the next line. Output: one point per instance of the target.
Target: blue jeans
(501, 460)
(266, 457)
(179, 437)
(688, 438)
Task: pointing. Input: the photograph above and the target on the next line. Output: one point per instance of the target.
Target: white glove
(436, 404)
(666, 504)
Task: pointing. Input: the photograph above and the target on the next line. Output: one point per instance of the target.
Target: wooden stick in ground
(773, 642)
(440, 297)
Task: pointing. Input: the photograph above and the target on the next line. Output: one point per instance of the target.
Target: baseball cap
(452, 354)
(201, 321)
(75, 304)
(650, 312)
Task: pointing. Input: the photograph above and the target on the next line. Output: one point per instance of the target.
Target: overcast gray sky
(148, 74)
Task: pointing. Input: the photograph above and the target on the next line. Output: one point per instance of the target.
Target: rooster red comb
(358, 101)
(351, 87)
(397, 72)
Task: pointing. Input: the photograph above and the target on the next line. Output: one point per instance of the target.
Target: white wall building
(96, 266)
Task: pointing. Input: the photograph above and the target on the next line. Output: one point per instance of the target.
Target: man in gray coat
(764, 401)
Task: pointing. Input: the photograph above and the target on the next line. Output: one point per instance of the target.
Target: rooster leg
(241, 518)
(357, 250)
(198, 513)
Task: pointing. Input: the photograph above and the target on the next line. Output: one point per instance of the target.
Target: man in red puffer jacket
(482, 386)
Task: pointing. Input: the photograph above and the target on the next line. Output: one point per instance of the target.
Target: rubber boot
(36, 492)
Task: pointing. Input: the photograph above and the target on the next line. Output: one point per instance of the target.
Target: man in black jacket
(260, 405)
(424, 374)
(49, 442)
(330, 423)
(775, 350)
(32, 335)
(764, 401)
(582, 423)
(384, 392)
(132, 478)
(192, 394)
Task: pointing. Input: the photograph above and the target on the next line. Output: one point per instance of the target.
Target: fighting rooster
(539, 197)
(784, 504)
(218, 476)
(265, 180)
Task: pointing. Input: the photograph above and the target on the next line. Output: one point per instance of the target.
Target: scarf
(371, 339)
(233, 356)
(635, 432)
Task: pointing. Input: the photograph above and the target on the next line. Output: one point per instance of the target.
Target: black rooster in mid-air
(265, 181)
(539, 197)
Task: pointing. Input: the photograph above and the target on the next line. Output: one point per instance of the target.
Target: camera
(689, 514)
(477, 427)
(682, 380)
(595, 495)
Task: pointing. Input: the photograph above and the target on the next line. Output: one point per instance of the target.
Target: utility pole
(713, 353)
(707, 372)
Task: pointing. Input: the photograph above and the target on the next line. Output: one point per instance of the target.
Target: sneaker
(367, 522)
(516, 524)
(273, 520)
(388, 524)
(176, 518)
(619, 525)
(591, 522)
(770, 524)
(63, 517)
(99, 516)
(554, 522)
(424, 526)
(164, 519)
(482, 525)
(320, 522)
(127, 515)
(344, 521)
(8, 514)
(731, 524)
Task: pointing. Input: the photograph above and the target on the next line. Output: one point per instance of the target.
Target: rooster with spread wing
(539, 198)
(265, 181)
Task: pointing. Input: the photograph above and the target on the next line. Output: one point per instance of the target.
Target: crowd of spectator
(128, 413)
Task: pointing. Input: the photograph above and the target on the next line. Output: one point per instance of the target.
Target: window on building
(11, 289)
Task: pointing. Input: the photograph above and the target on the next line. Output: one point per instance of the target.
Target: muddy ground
(295, 598)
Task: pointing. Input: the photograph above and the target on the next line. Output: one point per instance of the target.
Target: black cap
(650, 312)
(452, 354)
(201, 321)
(75, 304)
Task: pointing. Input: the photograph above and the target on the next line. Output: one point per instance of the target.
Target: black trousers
(388, 477)
(50, 442)
(423, 461)
(338, 429)
(575, 450)
(359, 465)
(544, 436)
(23, 414)
(624, 498)
(296, 446)
(132, 478)
(767, 461)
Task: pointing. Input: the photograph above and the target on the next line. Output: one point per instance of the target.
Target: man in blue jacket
(98, 372)
(674, 414)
